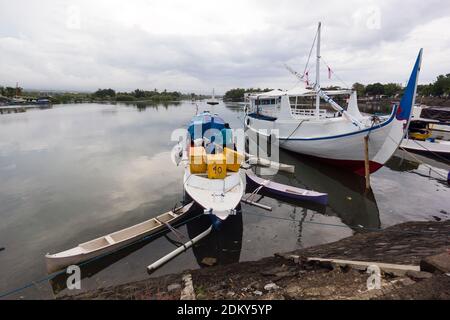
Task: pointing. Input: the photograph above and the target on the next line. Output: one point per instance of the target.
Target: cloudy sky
(196, 45)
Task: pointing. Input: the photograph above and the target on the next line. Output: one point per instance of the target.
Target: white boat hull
(338, 140)
(440, 148)
(217, 196)
(339, 144)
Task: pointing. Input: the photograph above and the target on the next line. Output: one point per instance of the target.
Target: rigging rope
(337, 225)
(332, 71)
(310, 52)
(419, 161)
(434, 153)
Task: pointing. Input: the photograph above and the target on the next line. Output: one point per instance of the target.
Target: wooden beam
(267, 163)
(388, 267)
(259, 205)
(367, 162)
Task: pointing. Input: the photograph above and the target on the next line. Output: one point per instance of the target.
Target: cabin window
(265, 102)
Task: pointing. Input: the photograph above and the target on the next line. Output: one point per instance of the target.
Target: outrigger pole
(155, 265)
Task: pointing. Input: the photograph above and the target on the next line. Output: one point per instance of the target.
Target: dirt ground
(291, 276)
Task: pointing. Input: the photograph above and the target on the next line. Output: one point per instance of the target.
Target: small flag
(329, 73)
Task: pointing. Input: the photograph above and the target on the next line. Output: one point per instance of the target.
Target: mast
(318, 72)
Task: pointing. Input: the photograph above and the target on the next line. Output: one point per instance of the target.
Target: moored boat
(114, 241)
(212, 172)
(271, 187)
(213, 101)
(338, 137)
(430, 147)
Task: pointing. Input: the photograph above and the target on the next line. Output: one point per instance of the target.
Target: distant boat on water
(213, 101)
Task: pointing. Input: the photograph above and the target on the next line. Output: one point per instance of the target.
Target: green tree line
(10, 91)
(102, 95)
(439, 88)
(237, 94)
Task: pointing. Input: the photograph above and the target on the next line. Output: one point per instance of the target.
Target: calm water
(76, 172)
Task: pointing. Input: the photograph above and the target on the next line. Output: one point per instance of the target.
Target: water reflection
(224, 244)
(143, 105)
(347, 197)
(74, 172)
(401, 164)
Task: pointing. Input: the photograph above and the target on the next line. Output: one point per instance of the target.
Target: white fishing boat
(212, 101)
(212, 179)
(337, 137)
(114, 241)
(429, 132)
(431, 147)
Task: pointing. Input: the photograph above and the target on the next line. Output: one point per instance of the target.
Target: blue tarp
(202, 123)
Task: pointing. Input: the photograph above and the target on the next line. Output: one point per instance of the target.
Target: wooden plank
(259, 205)
(398, 268)
(267, 163)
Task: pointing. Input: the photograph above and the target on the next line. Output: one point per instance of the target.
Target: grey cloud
(40, 51)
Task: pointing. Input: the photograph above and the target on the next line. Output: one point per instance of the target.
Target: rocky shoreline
(293, 276)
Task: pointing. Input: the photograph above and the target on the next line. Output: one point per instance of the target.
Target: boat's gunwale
(373, 128)
(60, 255)
(310, 193)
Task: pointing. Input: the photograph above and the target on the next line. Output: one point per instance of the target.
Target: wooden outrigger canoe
(114, 241)
(279, 189)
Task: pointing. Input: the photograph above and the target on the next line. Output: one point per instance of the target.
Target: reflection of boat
(114, 241)
(211, 177)
(224, 245)
(271, 187)
(337, 138)
(347, 197)
(401, 164)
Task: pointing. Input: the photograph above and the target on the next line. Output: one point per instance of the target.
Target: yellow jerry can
(197, 160)
(233, 159)
(217, 167)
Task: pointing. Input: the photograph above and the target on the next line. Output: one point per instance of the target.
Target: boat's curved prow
(402, 113)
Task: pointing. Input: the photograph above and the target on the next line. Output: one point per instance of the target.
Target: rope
(434, 153)
(419, 161)
(310, 52)
(338, 225)
(339, 78)
(57, 273)
(287, 139)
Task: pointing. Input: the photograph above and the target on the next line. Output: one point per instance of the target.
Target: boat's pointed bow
(408, 99)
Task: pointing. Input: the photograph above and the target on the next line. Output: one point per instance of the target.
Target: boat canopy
(296, 92)
(202, 123)
(440, 114)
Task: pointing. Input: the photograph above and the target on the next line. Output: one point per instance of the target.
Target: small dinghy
(114, 241)
(279, 189)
